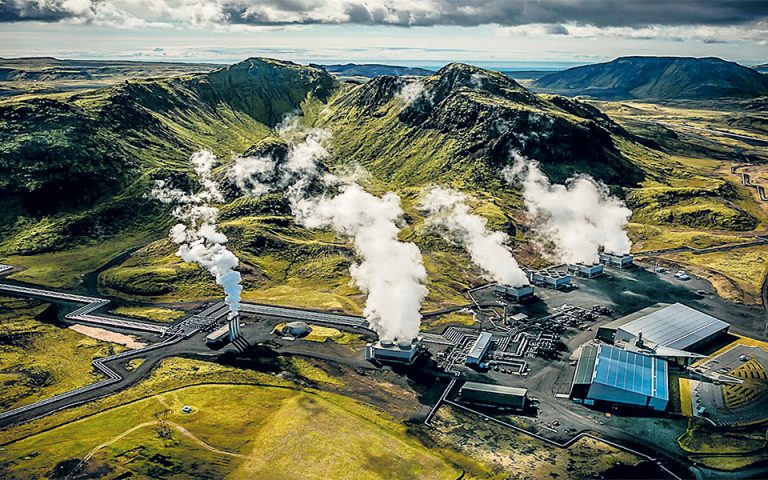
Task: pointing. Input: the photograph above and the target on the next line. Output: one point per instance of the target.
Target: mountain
(761, 68)
(371, 70)
(84, 161)
(76, 170)
(462, 125)
(658, 78)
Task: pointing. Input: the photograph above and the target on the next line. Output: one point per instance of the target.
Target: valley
(77, 172)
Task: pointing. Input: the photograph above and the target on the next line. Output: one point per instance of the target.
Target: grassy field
(263, 434)
(724, 449)
(158, 314)
(743, 268)
(453, 318)
(30, 369)
(511, 452)
(65, 269)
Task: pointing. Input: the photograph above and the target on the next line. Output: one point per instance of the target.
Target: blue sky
(416, 32)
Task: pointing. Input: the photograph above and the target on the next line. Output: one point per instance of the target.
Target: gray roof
(586, 366)
(634, 316)
(490, 388)
(481, 344)
(676, 326)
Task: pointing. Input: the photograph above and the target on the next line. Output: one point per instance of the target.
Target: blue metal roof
(632, 372)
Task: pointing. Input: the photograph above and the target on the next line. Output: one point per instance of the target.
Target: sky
(545, 34)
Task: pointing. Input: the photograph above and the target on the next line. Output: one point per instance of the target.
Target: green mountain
(75, 170)
(658, 78)
(93, 154)
(463, 126)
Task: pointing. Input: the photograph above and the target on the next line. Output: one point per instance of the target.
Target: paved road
(185, 337)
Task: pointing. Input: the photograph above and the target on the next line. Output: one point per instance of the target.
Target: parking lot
(739, 393)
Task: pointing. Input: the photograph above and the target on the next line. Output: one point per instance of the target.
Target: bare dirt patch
(107, 336)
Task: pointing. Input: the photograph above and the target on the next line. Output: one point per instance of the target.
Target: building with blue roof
(612, 375)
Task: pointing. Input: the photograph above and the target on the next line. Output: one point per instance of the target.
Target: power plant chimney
(234, 326)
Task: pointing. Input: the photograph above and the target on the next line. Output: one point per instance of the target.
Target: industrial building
(613, 376)
(674, 327)
(584, 270)
(479, 348)
(218, 336)
(495, 395)
(549, 277)
(619, 261)
(517, 294)
(389, 351)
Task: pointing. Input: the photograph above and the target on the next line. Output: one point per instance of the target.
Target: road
(185, 337)
(745, 138)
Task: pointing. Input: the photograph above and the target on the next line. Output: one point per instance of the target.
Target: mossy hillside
(464, 126)
(85, 145)
(30, 369)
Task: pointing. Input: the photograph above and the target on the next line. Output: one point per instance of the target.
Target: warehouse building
(517, 294)
(584, 270)
(619, 261)
(479, 348)
(549, 277)
(675, 326)
(493, 395)
(389, 351)
(612, 376)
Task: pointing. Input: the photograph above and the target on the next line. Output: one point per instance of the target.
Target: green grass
(274, 428)
(307, 370)
(66, 269)
(746, 267)
(652, 237)
(704, 443)
(158, 314)
(30, 369)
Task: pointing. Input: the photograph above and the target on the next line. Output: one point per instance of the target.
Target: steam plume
(448, 209)
(577, 218)
(196, 235)
(410, 92)
(391, 271)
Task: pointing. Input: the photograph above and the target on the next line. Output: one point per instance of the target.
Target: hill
(462, 126)
(371, 70)
(84, 161)
(75, 170)
(658, 78)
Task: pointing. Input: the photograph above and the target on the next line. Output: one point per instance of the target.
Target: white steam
(391, 272)
(448, 209)
(409, 92)
(577, 218)
(252, 175)
(197, 236)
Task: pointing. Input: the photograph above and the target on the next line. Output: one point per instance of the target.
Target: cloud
(201, 13)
